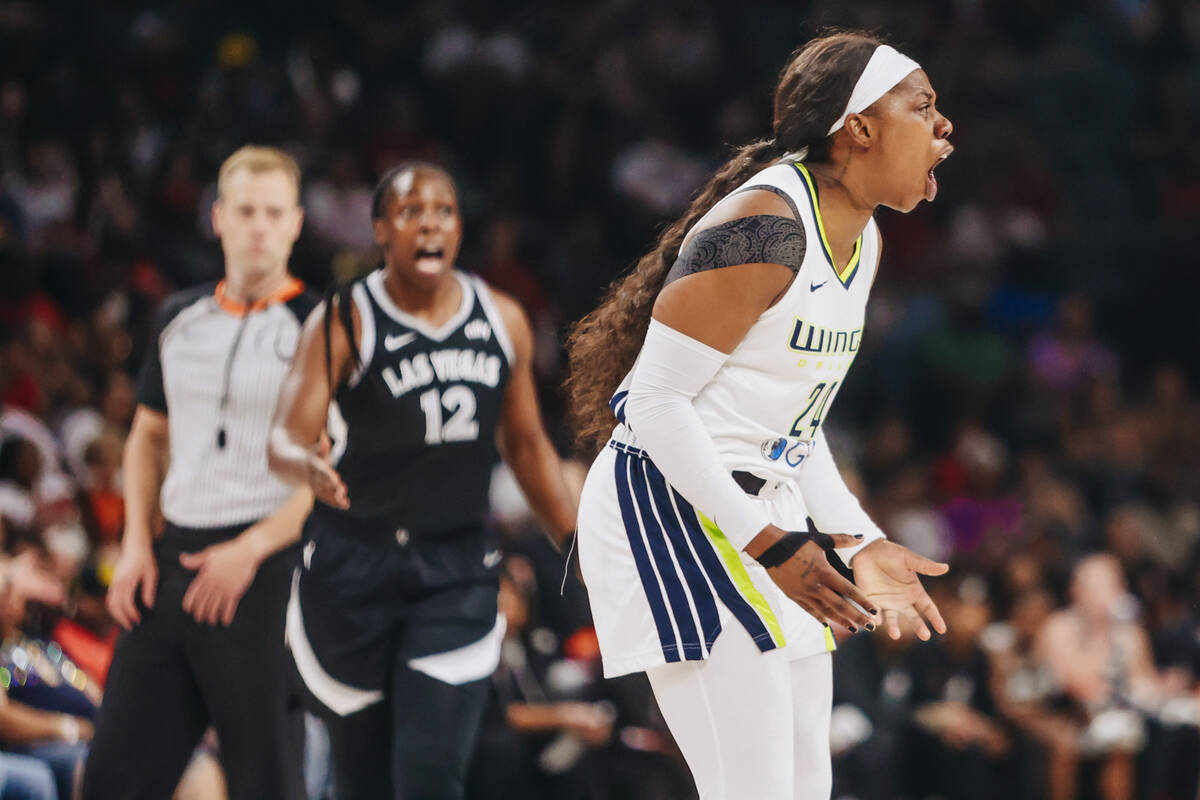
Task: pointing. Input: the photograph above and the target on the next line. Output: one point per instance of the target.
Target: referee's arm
(144, 466)
(147, 451)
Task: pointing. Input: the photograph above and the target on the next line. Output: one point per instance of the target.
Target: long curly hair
(812, 92)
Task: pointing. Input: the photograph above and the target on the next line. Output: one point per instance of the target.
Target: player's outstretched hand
(135, 566)
(887, 573)
(819, 589)
(326, 484)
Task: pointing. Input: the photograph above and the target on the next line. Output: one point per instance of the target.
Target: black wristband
(789, 543)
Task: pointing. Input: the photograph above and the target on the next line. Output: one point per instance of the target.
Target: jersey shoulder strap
(491, 313)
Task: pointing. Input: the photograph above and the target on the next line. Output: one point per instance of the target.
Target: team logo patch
(791, 451)
(773, 449)
(478, 329)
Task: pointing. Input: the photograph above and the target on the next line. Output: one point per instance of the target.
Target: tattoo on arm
(758, 239)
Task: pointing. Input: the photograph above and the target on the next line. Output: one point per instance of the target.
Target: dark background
(1024, 396)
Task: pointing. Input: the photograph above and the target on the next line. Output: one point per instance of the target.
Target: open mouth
(931, 184)
(430, 259)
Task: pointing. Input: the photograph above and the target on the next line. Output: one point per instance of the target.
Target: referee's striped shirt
(215, 369)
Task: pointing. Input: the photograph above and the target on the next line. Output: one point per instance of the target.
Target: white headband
(886, 68)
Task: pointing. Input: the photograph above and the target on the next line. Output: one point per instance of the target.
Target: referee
(203, 605)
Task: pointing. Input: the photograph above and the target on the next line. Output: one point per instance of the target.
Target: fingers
(149, 585)
(324, 446)
(848, 590)
(201, 600)
(930, 611)
(845, 539)
(193, 560)
(190, 596)
(196, 601)
(810, 581)
(327, 485)
(229, 610)
(205, 603)
(916, 623)
(925, 566)
(209, 603)
(838, 609)
(891, 623)
(212, 612)
(121, 606)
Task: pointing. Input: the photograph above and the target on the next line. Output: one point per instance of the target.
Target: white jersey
(663, 580)
(766, 404)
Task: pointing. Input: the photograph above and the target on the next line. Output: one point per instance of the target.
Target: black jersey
(414, 427)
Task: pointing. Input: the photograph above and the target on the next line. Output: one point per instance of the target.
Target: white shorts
(663, 581)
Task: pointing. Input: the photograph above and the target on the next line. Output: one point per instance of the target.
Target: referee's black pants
(171, 677)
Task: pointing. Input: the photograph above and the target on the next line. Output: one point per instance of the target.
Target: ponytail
(602, 347)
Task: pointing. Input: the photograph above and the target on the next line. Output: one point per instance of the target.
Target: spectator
(1100, 657)
(20, 467)
(47, 705)
(1026, 693)
(960, 747)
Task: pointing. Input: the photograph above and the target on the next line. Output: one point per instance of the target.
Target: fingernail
(873, 611)
(858, 536)
(870, 627)
(853, 629)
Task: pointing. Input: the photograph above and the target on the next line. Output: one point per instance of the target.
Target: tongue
(930, 186)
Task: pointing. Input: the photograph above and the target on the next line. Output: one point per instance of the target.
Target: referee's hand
(326, 484)
(136, 566)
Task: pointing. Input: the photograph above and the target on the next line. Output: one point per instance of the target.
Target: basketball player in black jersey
(421, 373)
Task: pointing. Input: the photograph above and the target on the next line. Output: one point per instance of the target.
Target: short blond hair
(258, 159)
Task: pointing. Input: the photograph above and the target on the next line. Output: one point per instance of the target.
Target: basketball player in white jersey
(713, 517)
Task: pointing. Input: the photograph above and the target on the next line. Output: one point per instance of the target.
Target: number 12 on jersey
(805, 427)
(461, 427)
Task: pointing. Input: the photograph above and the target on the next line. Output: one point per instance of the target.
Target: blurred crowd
(1024, 406)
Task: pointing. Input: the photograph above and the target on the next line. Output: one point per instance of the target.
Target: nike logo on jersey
(812, 287)
(491, 558)
(393, 343)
